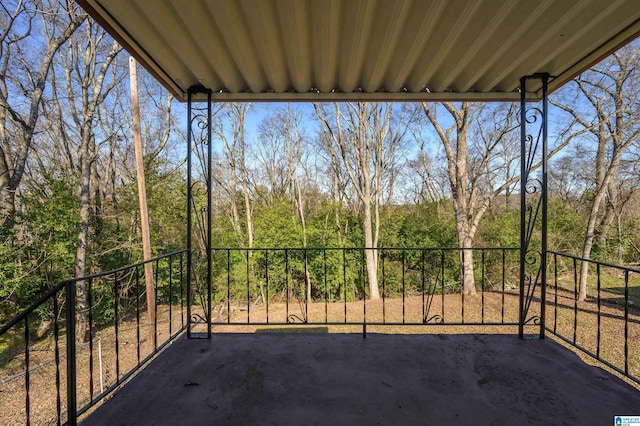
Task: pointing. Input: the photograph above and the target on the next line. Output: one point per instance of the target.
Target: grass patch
(11, 344)
(614, 285)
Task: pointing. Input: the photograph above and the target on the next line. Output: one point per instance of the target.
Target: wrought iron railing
(606, 324)
(54, 379)
(330, 286)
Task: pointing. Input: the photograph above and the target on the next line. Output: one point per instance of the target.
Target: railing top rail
(584, 259)
(365, 248)
(51, 293)
(22, 315)
(124, 268)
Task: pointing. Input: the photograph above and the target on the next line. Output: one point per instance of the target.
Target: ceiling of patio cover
(301, 50)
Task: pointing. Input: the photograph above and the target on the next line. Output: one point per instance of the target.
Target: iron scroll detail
(199, 214)
(533, 203)
(433, 319)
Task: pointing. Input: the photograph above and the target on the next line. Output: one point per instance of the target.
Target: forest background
(286, 175)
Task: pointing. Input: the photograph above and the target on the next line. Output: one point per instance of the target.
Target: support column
(199, 224)
(189, 218)
(533, 205)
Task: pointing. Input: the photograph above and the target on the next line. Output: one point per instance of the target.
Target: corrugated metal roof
(366, 49)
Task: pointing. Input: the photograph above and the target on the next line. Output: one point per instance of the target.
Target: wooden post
(142, 198)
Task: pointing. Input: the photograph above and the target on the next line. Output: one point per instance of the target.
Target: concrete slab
(343, 379)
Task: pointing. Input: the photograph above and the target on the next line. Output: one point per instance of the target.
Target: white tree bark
(363, 140)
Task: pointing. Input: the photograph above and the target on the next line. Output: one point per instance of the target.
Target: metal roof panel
(365, 49)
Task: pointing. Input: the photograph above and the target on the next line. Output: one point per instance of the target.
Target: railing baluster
(403, 284)
(56, 337)
(155, 307)
(228, 286)
(27, 378)
(307, 292)
(137, 280)
(463, 252)
(326, 294)
(181, 291)
(599, 312)
(90, 309)
(171, 295)
(575, 300)
(384, 279)
(555, 306)
(626, 322)
(70, 307)
(266, 260)
(482, 271)
(116, 291)
(504, 274)
(364, 286)
(248, 289)
(344, 281)
(286, 277)
(442, 284)
(422, 285)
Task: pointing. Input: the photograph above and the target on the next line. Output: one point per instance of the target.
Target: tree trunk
(83, 233)
(465, 242)
(300, 211)
(8, 206)
(467, 279)
(371, 255)
(588, 244)
(601, 191)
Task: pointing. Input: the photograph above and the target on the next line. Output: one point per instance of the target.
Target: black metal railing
(606, 323)
(55, 378)
(330, 286)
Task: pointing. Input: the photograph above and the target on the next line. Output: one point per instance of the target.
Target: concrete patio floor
(343, 379)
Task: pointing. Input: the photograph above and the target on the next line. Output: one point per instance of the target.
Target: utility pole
(142, 198)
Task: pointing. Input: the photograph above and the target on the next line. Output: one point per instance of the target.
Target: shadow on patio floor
(343, 379)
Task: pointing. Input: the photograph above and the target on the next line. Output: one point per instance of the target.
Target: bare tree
(238, 114)
(86, 64)
(363, 141)
(23, 77)
(477, 174)
(283, 148)
(295, 148)
(604, 104)
(565, 180)
(337, 185)
(423, 170)
(230, 129)
(271, 156)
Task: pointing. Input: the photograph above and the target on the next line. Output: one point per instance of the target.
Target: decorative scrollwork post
(533, 203)
(199, 138)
